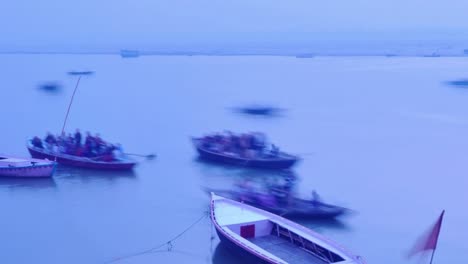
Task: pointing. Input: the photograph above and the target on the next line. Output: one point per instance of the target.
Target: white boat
(268, 238)
(25, 167)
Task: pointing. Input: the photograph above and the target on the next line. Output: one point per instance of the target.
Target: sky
(106, 23)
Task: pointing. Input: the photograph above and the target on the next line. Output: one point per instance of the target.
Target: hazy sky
(126, 22)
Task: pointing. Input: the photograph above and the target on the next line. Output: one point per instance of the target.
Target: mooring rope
(169, 244)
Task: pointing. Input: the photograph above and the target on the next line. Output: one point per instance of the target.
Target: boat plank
(285, 250)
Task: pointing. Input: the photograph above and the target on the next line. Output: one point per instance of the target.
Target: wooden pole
(69, 105)
(432, 257)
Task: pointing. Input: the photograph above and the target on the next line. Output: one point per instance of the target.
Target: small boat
(268, 238)
(285, 205)
(304, 55)
(129, 53)
(459, 83)
(121, 163)
(279, 160)
(50, 86)
(25, 167)
(80, 72)
(261, 110)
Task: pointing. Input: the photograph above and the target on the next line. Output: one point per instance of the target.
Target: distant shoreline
(299, 55)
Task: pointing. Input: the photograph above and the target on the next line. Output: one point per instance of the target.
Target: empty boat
(268, 238)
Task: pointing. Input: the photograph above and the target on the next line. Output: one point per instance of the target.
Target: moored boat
(119, 163)
(25, 167)
(254, 157)
(125, 53)
(286, 205)
(269, 238)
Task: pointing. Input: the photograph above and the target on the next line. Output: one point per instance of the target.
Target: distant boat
(80, 72)
(25, 167)
(305, 55)
(288, 206)
(280, 160)
(123, 163)
(465, 51)
(129, 53)
(434, 54)
(50, 87)
(268, 238)
(258, 110)
(460, 83)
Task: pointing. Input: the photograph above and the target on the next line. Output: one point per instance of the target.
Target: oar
(149, 156)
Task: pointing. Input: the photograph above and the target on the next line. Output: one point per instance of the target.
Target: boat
(259, 110)
(25, 167)
(285, 204)
(50, 86)
(460, 83)
(129, 53)
(120, 163)
(264, 237)
(279, 160)
(304, 55)
(80, 72)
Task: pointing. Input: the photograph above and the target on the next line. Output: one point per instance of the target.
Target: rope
(211, 242)
(169, 244)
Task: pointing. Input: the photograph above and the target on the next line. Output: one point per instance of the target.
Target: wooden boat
(285, 205)
(80, 72)
(50, 86)
(268, 238)
(25, 167)
(259, 110)
(279, 161)
(129, 53)
(123, 163)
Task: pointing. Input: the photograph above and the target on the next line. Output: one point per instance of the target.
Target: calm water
(385, 137)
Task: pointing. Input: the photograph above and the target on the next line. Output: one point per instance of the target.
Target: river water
(385, 137)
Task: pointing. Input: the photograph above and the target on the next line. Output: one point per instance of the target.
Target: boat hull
(80, 162)
(275, 164)
(33, 171)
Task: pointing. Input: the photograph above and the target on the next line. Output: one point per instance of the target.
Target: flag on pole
(429, 240)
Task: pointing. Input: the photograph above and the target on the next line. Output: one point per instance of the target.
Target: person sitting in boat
(88, 138)
(315, 198)
(77, 138)
(274, 150)
(50, 139)
(37, 142)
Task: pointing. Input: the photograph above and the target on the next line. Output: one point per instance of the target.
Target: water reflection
(27, 183)
(224, 255)
(90, 176)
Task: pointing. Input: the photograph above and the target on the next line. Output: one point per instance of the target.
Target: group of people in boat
(93, 147)
(246, 145)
